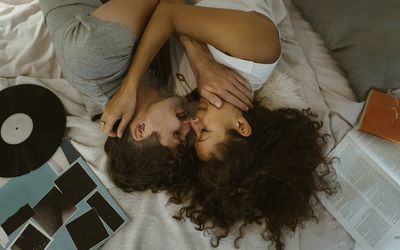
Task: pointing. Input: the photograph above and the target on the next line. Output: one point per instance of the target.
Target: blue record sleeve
(60, 205)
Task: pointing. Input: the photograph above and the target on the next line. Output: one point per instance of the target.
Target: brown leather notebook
(381, 116)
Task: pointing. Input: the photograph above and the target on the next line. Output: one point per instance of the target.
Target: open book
(368, 204)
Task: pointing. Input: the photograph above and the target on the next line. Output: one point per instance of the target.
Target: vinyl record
(32, 125)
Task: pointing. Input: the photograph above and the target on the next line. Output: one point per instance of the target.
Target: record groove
(24, 147)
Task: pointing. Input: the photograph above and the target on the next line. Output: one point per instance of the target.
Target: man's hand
(216, 82)
(120, 107)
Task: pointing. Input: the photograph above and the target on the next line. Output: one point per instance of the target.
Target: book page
(368, 204)
(383, 151)
(395, 244)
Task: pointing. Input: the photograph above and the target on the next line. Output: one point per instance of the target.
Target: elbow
(165, 13)
(275, 51)
(271, 48)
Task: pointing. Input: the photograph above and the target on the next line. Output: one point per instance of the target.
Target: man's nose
(184, 130)
(196, 125)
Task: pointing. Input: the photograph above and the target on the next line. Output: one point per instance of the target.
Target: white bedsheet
(25, 46)
(328, 234)
(27, 56)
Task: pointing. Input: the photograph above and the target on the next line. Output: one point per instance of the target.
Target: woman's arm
(246, 35)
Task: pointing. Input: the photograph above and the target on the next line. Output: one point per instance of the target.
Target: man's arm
(213, 79)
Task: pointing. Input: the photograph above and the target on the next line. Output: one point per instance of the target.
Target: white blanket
(27, 56)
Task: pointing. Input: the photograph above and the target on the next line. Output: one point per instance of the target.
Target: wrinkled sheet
(27, 56)
(334, 87)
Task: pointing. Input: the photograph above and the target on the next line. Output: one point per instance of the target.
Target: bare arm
(254, 38)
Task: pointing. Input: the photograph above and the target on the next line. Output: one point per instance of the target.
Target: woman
(259, 166)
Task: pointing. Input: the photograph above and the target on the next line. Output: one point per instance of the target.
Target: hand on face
(216, 82)
(120, 107)
(168, 118)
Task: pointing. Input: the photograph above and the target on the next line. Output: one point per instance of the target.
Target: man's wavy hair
(148, 165)
(270, 178)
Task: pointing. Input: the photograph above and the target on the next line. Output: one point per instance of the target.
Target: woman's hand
(120, 107)
(216, 82)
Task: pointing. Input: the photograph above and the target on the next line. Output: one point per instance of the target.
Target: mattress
(27, 56)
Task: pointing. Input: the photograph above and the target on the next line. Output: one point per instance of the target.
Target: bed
(27, 56)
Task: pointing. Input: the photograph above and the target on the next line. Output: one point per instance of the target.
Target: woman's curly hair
(271, 177)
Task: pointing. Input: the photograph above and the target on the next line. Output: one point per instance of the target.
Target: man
(94, 43)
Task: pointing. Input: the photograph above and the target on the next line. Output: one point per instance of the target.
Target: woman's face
(211, 125)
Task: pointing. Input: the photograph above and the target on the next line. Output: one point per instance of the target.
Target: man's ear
(139, 131)
(243, 127)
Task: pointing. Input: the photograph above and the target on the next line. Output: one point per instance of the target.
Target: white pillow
(25, 44)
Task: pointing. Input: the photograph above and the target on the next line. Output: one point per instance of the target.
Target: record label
(32, 125)
(16, 128)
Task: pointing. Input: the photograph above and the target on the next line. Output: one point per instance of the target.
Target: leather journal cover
(381, 116)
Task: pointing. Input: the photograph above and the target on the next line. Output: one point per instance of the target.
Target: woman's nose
(196, 125)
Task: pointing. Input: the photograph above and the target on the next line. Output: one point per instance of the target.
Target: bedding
(31, 51)
(320, 84)
(363, 37)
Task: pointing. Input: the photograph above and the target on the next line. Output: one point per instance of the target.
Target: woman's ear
(138, 133)
(243, 127)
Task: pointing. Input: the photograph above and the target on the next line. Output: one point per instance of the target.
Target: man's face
(168, 117)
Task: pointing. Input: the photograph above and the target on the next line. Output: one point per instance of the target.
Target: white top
(274, 9)
(255, 73)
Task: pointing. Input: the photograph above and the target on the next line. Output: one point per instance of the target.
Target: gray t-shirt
(94, 54)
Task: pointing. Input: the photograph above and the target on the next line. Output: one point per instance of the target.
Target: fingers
(243, 82)
(247, 92)
(122, 126)
(240, 88)
(237, 94)
(244, 86)
(107, 124)
(228, 97)
(118, 112)
(232, 99)
(112, 134)
(230, 94)
(211, 98)
(225, 84)
(243, 95)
